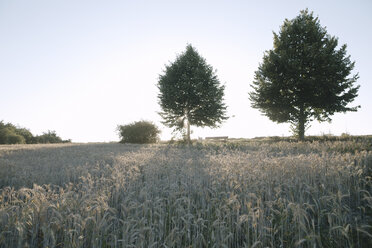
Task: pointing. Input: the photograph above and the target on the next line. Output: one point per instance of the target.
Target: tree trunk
(188, 132)
(301, 130)
(301, 125)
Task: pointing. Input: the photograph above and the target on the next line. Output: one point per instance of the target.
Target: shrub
(9, 134)
(50, 137)
(140, 132)
(15, 139)
(26, 134)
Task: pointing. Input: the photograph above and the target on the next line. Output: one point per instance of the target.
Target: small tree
(140, 132)
(9, 134)
(26, 134)
(304, 77)
(50, 137)
(190, 93)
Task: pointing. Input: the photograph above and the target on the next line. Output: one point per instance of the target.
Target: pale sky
(83, 67)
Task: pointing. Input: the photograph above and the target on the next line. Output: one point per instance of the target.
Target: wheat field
(254, 194)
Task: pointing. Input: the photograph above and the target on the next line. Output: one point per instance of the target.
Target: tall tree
(305, 76)
(190, 93)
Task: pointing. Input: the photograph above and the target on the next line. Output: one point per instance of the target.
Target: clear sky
(83, 67)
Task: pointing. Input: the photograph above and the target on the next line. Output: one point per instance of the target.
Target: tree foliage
(140, 132)
(11, 134)
(305, 76)
(190, 93)
(50, 137)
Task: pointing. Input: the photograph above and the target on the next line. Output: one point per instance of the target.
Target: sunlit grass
(235, 194)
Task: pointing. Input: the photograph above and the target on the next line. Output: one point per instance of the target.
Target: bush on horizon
(11, 134)
(50, 137)
(139, 132)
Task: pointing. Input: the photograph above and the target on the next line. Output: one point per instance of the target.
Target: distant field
(242, 193)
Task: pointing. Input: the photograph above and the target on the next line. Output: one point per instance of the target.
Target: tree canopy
(11, 134)
(139, 132)
(305, 76)
(191, 93)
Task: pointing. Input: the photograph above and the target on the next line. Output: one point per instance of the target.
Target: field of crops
(253, 194)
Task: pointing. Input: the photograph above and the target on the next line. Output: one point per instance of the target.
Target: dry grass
(232, 195)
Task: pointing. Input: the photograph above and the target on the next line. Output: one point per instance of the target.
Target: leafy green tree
(9, 135)
(305, 77)
(140, 132)
(26, 134)
(190, 93)
(50, 137)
